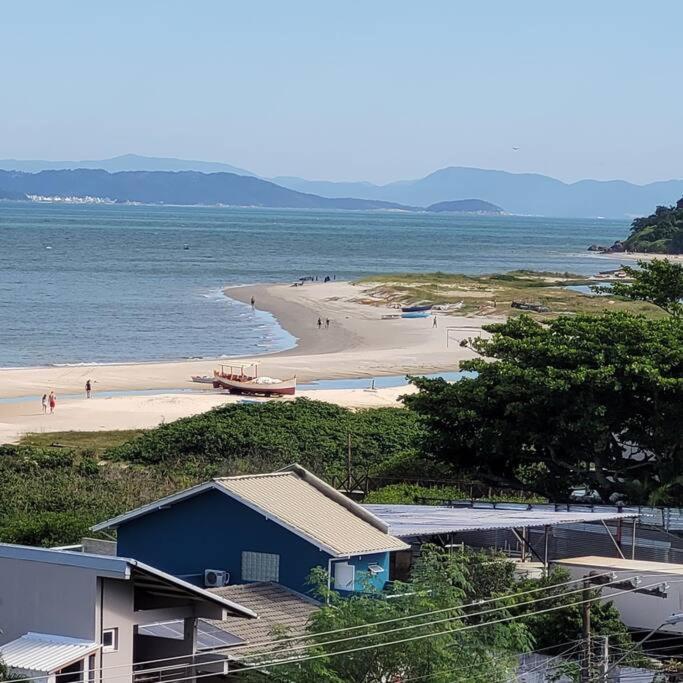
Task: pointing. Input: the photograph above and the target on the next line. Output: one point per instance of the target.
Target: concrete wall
(115, 610)
(210, 531)
(46, 598)
(639, 611)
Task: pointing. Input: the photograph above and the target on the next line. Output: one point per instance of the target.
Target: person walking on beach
(253, 302)
(52, 400)
(434, 323)
(44, 403)
(320, 323)
(88, 389)
(327, 323)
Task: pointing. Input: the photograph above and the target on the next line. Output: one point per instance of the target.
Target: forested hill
(466, 206)
(659, 233)
(165, 187)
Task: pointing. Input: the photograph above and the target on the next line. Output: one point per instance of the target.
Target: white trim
(191, 588)
(216, 484)
(105, 565)
(114, 639)
(154, 506)
(337, 497)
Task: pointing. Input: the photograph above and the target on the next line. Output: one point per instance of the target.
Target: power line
(389, 643)
(281, 662)
(441, 621)
(277, 642)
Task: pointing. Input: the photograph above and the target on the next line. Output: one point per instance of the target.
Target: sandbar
(359, 343)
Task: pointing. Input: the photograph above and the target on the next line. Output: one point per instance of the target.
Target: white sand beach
(642, 256)
(357, 344)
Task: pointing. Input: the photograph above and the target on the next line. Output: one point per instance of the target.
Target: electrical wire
(281, 662)
(389, 643)
(280, 641)
(443, 620)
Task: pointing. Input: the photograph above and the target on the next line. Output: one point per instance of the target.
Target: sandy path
(358, 343)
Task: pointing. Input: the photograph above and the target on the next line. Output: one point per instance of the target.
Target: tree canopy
(659, 233)
(435, 627)
(659, 281)
(582, 401)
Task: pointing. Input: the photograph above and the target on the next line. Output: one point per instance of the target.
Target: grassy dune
(494, 294)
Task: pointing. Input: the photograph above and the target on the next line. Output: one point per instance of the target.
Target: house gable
(211, 531)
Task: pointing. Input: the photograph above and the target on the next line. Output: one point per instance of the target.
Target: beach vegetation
(55, 486)
(658, 233)
(405, 493)
(261, 437)
(588, 402)
(659, 282)
(493, 294)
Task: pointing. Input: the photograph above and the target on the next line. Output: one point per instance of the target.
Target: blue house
(269, 527)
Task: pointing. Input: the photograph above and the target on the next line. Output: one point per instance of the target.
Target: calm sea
(115, 283)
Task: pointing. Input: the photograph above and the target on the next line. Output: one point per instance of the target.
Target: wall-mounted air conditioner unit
(215, 578)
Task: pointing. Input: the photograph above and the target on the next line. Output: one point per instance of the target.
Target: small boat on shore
(416, 309)
(416, 314)
(244, 379)
(202, 379)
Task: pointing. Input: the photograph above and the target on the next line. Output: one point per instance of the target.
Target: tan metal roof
(279, 610)
(312, 509)
(618, 564)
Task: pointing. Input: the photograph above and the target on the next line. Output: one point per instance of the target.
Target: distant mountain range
(126, 162)
(164, 187)
(519, 193)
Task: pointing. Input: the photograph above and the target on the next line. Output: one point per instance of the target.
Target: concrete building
(260, 528)
(69, 616)
(659, 591)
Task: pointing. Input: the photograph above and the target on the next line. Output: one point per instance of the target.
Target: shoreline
(641, 256)
(357, 344)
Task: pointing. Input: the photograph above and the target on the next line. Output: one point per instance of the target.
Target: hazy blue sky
(367, 89)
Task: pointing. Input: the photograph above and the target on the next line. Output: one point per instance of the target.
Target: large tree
(659, 281)
(582, 401)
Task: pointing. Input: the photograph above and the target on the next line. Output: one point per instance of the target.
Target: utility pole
(604, 660)
(587, 668)
(348, 464)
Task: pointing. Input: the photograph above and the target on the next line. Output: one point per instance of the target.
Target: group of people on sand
(322, 322)
(49, 401)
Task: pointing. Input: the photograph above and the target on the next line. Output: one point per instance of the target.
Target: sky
(376, 90)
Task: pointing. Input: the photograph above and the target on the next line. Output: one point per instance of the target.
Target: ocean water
(88, 283)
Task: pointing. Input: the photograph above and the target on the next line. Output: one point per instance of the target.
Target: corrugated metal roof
(307, 510)
(406, 521)
(45, 653)
(618, 564)
(278, 609)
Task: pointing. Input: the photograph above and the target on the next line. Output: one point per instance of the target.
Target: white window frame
(114, 640)
(347, 585)
(249, 572)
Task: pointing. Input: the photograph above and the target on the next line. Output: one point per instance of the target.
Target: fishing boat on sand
(416, 309)
(244, 379)
(416, 314)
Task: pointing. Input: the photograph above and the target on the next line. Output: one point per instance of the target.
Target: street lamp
(671, 621)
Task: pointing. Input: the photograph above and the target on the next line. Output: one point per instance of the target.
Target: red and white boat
(244, 379)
